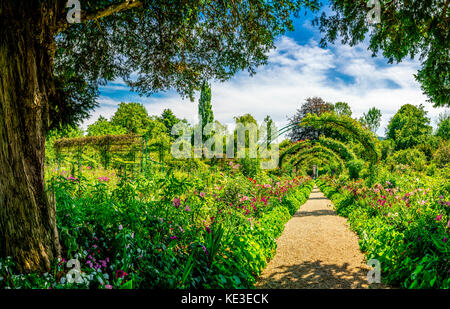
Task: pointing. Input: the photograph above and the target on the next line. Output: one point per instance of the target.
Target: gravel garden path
(317, 250)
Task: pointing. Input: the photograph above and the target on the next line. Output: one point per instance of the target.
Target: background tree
(313, 105)
(268, 122)
(409, 127)
(104, 127)
(342, 108)
(50, 71)
(169, 120)
(372, 119)
(205, 113)
(443, 129)
(131, 116)
(415, 28)
(245, 120)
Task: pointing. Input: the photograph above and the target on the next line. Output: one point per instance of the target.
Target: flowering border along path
(316, 250)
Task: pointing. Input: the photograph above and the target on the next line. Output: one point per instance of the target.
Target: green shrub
(354, 168)
(412, 157)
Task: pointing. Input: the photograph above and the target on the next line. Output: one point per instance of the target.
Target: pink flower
(120, 273)
(202, 194)
(187, 208)
(439, 218)
(108, 287)
(204, 249)
(176, 202)
(120, 227)
(444, 239)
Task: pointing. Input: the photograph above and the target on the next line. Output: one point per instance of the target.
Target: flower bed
(174, 231)
(407, 230)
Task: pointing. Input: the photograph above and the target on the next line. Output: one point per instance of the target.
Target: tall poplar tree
(205, 113)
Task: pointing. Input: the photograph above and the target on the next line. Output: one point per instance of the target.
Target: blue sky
(298, 68)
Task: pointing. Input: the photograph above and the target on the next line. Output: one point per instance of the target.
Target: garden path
(317, 250)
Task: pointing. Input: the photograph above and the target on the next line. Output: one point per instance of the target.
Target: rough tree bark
(28, 230)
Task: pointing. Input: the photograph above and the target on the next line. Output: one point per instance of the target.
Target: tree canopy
(443, 129)
(131, 116)
(409, 126)
(160, 45)
(315, 106)
(372, 119)
(414, 28)
(342, 108)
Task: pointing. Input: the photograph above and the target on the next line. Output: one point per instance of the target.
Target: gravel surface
(317, 250)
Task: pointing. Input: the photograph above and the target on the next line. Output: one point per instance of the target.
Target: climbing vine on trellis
(349, 126)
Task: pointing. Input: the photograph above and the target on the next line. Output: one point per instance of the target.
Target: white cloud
(294, 73)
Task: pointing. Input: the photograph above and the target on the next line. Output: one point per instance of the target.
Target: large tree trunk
(28, 230)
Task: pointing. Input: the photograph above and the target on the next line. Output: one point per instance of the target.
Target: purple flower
(120, 227)
(187, 208)
(120, 273)
(444, 239)
(202, 194)
(108, 287)
(204, 249)
(176, 202)
(173, 237)
(439, 218)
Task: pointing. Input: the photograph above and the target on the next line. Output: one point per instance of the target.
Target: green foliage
(131, 116)
(250, 167)
(409, 127)
(245, 120)
(416, 29)
(104, 127)
(402, 223)
(214, 40)
(316, 106)
(205, 113)
(443, 130)
(342, 108)
(387, 148)
(349, 126)
(372, 119)
(168, 231)
(442, 155)
(54, 135)
(354, 168)
(412, 157)
(340, 148)
(169, 120)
